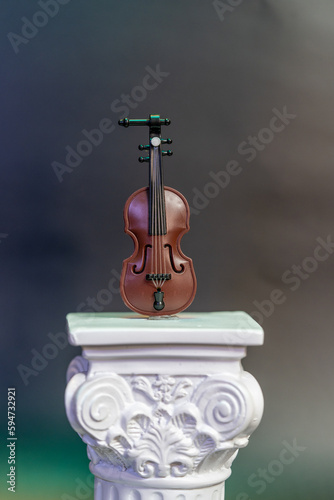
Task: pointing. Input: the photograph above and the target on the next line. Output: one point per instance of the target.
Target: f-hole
(172, 260)
(144, 261)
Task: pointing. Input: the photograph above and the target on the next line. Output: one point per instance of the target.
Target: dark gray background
(65, 240)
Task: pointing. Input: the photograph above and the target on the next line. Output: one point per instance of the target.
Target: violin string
(165, 228)
(159, 270)
(152, 213)
(156, 227)
(157, 216)
(161, 216)
(162, 231)
(162, 226)
(154, 219)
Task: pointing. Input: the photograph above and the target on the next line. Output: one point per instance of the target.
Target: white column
(163, 404)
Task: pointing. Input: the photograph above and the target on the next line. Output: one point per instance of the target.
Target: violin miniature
(157, 279)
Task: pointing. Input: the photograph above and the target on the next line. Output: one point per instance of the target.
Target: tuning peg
(141, 147)
(141, 159)
(125, 122)
(166, 141)
(167, 153)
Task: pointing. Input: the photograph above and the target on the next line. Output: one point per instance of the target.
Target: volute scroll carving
(162, 426)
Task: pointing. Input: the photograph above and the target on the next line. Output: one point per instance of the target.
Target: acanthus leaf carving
(177, 431)
(164, 389)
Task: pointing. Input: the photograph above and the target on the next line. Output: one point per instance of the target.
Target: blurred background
(248, 87)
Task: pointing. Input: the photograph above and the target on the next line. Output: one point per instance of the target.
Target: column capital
(162, 412)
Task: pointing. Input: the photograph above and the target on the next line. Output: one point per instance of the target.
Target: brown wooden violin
(158, 279)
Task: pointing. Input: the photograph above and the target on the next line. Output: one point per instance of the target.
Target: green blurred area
(54, 466)
(48, 465)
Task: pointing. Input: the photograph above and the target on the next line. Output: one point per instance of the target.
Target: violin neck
(157, 210)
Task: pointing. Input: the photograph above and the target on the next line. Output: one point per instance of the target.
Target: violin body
(168, 259)
(158, 279)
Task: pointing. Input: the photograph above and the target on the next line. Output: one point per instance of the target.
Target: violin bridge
(153, 277)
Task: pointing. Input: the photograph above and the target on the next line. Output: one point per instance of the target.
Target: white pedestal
(163, 404)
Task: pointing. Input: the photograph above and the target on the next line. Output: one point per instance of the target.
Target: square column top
(207, 328)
